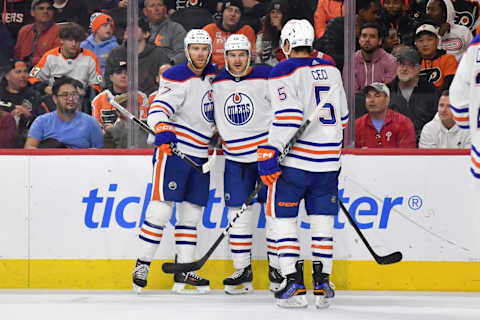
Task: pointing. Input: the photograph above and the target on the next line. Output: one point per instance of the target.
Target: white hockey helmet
(197, 36)
(237, 42)
(299, 33)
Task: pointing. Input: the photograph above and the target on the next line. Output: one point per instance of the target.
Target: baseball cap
(37, 2)
(119, 66)
(426, 27)
(377, 86)
(409, 54)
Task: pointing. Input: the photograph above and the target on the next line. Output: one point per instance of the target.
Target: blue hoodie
(101, 49)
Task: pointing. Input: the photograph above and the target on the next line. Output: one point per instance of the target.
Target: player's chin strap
(202, 168)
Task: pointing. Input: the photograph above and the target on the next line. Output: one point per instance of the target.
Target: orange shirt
(219, 37)
(438, 68)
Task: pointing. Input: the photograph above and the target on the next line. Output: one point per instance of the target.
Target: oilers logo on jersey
(207, 106)
(239, 109)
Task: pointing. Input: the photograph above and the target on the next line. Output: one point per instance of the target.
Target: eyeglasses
(74, 95)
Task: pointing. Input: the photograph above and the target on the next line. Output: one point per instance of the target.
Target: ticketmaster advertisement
(61, 210)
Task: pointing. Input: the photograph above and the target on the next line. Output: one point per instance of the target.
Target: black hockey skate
(275, 278)
(239, 282)
(139, 275)
(323, 289)
(181, 280)
(292, 293)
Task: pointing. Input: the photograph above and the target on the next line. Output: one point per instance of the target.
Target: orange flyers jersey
(84, 67)
(437, 69)
(219, 37)
(101, 106)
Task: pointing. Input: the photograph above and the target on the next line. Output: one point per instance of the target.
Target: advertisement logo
(103, 209)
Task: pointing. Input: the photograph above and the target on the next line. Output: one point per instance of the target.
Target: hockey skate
(275, 278)
(292, 293)
(190, 283)
(323, 289)
(139, 276)
(239, 282)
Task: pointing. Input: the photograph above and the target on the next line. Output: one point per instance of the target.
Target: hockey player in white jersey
(242, 115)
(465, 104)
(182, 112)
(310, 171)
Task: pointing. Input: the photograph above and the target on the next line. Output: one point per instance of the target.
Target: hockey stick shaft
(388, 259)
(170, 267)
(202, 168)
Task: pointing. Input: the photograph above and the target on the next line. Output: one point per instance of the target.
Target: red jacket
(47, 40)
(397, 132)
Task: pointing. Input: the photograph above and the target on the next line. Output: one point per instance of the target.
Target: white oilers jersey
(465, 99)
(185, 100)
(297, 86)
(243, 112)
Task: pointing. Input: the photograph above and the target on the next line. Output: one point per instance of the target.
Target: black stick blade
(171, 267)
(390, 259)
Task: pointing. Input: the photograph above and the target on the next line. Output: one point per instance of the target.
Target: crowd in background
(406, 56)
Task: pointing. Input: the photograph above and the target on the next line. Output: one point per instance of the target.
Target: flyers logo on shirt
(239, 109)
(207, 106)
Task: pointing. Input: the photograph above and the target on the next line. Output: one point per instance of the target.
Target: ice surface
(118, 305)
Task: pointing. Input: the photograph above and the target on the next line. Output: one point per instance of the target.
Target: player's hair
(373, 26)
(445, 93)
(62, 81)
(72, 31)
(306, 49)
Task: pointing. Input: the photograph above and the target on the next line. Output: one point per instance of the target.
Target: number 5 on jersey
(327, 114)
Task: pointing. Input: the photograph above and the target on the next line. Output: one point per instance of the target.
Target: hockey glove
(164, 134)
(268, 167)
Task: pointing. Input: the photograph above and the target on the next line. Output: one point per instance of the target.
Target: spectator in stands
(438, 66)
(15, 14)
(267, 46)
(391, 40)
(372, 63)
(15, 89)
(66, 127)
(102, 40)
(454, 38)
(35, 39)
(326, 11)
(412, 95)
(165, 32)
(67, 11)
(7, 45)
(396, 18)
(443, 131)
(302, 9)
(8, 128)
(332, 42)
(232, 12)
(106, 114)
(382, 127)
(467, 13)
(255, 10)
(177, 5)
(150, 58)
(68, 60)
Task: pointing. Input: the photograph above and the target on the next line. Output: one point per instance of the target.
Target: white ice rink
(118, 305)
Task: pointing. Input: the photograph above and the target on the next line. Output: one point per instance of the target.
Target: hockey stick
(170, 267)
(202, 168)
(391, 258)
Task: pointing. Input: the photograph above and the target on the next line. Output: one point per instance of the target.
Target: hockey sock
(287, 243)
(272, 251)
(151, 231)
(321, 228)
(241, 237)
(186, 231)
